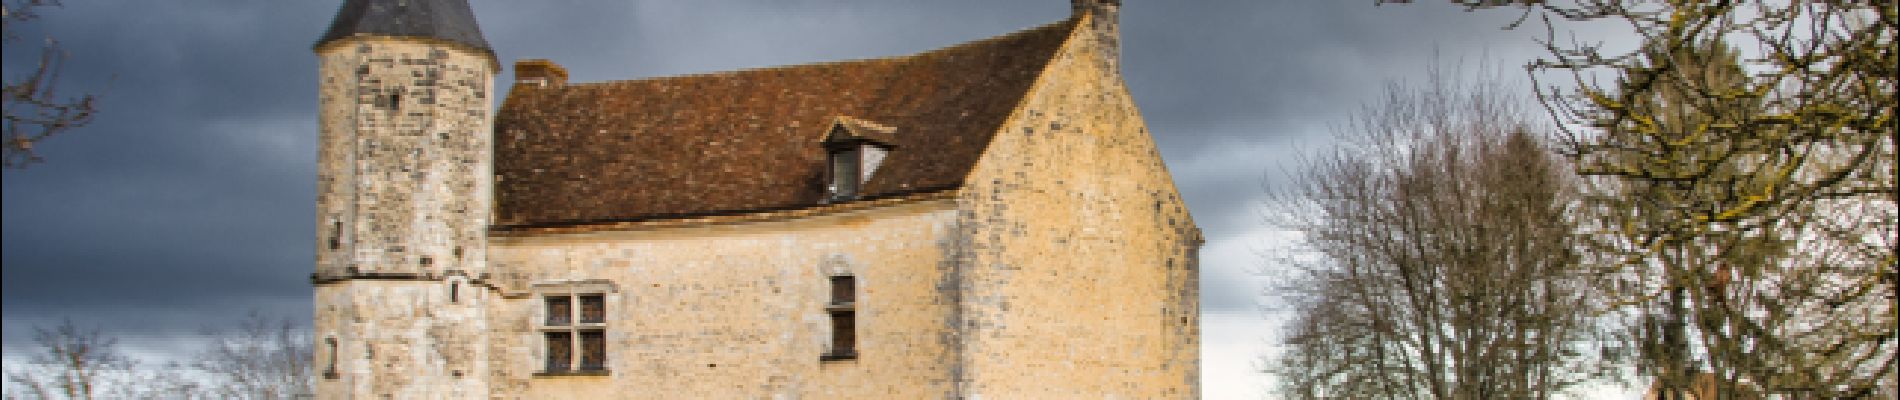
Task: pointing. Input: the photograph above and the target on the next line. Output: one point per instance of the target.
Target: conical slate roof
(446, 20)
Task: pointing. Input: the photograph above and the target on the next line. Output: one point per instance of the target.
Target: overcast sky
(190, 200)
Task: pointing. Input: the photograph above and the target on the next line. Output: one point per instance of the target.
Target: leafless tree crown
(1434, 260)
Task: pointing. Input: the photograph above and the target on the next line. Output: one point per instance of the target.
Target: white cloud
(1231, 346)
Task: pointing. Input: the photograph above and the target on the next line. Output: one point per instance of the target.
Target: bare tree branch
(31, 107)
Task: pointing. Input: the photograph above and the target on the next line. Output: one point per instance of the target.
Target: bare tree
(33, 108)
(256, 358)
(1742, 168)
(70, 363)
(1435, 260)
(261, 358)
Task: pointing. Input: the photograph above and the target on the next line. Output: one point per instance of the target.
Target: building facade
(987, 220)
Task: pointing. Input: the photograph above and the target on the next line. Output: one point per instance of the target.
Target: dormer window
(855, 147)
(846, 169)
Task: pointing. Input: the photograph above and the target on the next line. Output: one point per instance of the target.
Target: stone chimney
(1103, 24)
(539, 73)
(1100, 7)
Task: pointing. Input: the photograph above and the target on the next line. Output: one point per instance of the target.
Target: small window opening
(455, 292)
(390, 101)
(844, 319)
(336, 235)
(329, 369)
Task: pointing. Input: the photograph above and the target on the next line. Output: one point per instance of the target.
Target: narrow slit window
(336, 235)
(843, 310)
(329, 369)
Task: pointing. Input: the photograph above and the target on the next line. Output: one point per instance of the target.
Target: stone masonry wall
(403, 201)
(405, 339)
(732, 311)
(1081, 278)
(404, 177)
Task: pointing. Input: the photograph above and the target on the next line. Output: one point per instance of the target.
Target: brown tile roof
(752, 140)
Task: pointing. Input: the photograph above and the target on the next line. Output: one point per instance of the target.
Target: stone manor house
(985, 220)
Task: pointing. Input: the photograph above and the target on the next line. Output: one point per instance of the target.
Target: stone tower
(403, 200)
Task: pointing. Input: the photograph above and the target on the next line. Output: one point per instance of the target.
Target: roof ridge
(900, 58)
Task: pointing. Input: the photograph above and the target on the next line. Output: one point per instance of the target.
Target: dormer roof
(846, 129)
(752, 140)
(445, 20)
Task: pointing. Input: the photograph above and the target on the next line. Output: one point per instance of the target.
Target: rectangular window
(560, 351)
(560, 310)
(844, 174)
(575, 333)
(844, 318)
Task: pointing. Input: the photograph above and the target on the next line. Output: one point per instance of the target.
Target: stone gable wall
(1082, 269)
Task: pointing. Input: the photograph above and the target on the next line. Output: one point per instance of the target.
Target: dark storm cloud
(190, 199)
(628, 40)
(1235, 90)
(182, 203)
